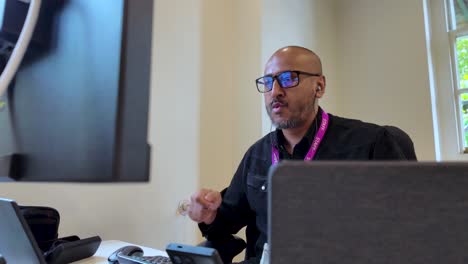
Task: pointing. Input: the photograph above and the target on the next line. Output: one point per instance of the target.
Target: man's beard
(298, 117)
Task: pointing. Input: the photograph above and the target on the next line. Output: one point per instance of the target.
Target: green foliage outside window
(462, 60)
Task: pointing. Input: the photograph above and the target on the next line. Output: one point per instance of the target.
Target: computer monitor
(77, 110)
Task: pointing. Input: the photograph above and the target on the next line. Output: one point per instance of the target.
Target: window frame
(443, 79)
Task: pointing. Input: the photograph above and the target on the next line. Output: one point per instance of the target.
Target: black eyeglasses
(286, 79)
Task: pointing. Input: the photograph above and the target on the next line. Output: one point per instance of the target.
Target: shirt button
(263, 187)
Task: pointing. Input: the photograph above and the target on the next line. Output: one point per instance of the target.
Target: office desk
(109, 246)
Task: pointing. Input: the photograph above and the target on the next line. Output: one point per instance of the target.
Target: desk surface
(109, 246)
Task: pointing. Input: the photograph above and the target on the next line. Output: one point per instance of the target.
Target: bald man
(292, 84)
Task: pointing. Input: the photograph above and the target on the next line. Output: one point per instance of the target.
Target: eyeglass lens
(286, 79)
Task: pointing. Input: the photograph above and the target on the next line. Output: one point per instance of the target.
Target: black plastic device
(184, 254)
(73, 251)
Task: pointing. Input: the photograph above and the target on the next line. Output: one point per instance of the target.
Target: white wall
(230, 112)
(374, 57)
(382, 65)
(247, 67)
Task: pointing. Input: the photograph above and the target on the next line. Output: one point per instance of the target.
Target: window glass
(464, 117)
(462, 61)
(461, 12)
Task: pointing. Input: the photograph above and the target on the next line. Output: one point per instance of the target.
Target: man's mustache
(278, 101)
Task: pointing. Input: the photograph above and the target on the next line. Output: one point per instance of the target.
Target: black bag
(44, 223)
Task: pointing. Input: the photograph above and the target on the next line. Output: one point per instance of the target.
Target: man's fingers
(203, 202)
(208, 199)
(204, 205)
(200, 214)
(213, 196)
(215, 200)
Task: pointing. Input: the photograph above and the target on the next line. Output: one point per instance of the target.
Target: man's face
(292, 107)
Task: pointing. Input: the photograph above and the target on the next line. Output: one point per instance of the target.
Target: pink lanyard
(315, 144)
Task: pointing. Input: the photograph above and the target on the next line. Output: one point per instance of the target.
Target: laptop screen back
(17, 244)
(369, 213)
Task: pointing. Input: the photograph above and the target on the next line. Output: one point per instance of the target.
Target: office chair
(404, 141)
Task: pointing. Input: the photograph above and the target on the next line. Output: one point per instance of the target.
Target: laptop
(17, 243)
(368, 212)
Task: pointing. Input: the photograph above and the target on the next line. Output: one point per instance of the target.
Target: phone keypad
(144, 260)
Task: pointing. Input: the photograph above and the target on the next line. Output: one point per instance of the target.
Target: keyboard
(144, 260)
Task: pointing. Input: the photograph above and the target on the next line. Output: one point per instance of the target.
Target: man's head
(297, 83)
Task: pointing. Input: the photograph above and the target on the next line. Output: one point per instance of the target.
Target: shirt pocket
(257, 187)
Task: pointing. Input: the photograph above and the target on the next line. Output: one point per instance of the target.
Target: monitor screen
(77, 108)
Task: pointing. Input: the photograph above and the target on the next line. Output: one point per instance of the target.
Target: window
(457, 17)
(447, 48)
